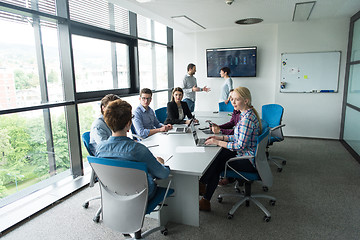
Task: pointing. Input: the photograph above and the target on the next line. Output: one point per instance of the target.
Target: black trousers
(212, 174)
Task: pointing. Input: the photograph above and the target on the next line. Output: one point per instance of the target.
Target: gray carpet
(318, 197)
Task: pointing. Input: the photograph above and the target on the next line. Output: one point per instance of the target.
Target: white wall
(313, 115)
(306, 115)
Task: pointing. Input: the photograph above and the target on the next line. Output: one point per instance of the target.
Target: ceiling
(216, 14)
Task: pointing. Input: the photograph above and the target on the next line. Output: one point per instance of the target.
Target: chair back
(124, 192)
(161, 114)
(86, 140)
(225, 107)
(272, 114)
(261, 161)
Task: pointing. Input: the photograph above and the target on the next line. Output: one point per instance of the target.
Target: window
(49, 84)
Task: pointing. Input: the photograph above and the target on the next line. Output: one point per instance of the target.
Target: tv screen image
(240, 60)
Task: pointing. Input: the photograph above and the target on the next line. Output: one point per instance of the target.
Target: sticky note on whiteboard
(305, 76)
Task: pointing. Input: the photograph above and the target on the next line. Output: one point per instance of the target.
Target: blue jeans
(190, 104)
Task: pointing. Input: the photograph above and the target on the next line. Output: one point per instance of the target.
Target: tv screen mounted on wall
(240, 60)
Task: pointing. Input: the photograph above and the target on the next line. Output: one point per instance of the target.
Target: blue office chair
(134, 135)
(272, 114)
(263, 174)
(93, 178)
(161, 114)
(124, 195)
(226, 107)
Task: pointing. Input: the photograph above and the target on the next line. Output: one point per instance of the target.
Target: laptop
(179, 130)
(199, 142)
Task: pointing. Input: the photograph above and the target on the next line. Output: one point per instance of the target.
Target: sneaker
(204, 205)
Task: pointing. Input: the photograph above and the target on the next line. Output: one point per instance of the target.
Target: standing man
(145, 121)
(189, 86)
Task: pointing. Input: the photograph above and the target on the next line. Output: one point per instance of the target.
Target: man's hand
(195, 89)
(160, 160)
(206, 89)
(168, 127)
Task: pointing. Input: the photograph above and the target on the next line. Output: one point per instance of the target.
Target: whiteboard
(310, 72)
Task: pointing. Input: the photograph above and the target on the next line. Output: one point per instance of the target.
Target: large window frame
(346, 105)
(66, 28)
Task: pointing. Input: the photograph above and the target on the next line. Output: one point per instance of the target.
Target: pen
(169, 158)
(153, 146)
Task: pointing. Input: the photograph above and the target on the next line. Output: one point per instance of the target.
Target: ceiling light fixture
(303, 10)
(247, 21)
(188, 22)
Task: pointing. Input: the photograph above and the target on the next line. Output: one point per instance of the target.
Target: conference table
(187, 164)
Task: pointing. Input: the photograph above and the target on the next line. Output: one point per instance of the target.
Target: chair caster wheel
(86, 205)
(267, 219)
(279, 169)
(220, 199)
(230, 216)
(272, 202)
(283, 162)
(265, 189)
(96, 219)
(164, 232)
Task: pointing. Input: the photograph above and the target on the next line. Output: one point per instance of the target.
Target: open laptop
(199, 142)
(177, 130)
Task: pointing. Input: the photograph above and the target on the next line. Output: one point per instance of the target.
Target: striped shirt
(245, 134)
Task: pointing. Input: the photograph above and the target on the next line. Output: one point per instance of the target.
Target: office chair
(272, 114)
(124, 195)
(161, 114)
(263, 174)
(134, 135)
(93, 179)
(226, 107)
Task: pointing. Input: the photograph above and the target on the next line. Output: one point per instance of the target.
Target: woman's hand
(212, 141)
(215, 128)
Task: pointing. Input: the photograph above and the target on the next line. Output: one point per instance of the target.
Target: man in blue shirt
(145, 121)
(118, 117)
(99, 130)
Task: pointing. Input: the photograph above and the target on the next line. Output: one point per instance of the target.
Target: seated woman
(177, 109)
(227, 128)
(243, 142)
(99, 130)
(118, 117)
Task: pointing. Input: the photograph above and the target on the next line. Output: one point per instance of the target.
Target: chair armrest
(169, 178)
(236, 159)
(277, 127)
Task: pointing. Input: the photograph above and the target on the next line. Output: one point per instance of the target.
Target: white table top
(186, 157)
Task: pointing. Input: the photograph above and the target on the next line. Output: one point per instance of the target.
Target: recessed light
(247, 21)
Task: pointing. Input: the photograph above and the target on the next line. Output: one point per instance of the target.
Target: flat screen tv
(240, 60)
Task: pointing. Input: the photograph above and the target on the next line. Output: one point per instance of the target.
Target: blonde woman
(243, 142)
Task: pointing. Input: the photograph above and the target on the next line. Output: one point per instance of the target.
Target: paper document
(189, 149)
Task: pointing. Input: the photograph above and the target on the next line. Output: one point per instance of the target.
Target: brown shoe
(204, 205)
(223, 182)
(202, 188)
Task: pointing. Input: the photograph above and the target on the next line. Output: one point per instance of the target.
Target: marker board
(310, 72)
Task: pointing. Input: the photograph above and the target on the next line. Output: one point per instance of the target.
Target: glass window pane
(144, 27)
(354, 85)
(352, 129)
(161, 67)
(122, 58)
(52, 64)
(93, 65)
(19, 79)
(146, 58)
(355, 51)
(25, 156)
(92, 62)
(160, 32)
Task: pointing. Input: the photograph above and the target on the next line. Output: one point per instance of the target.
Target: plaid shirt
(245, 134)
